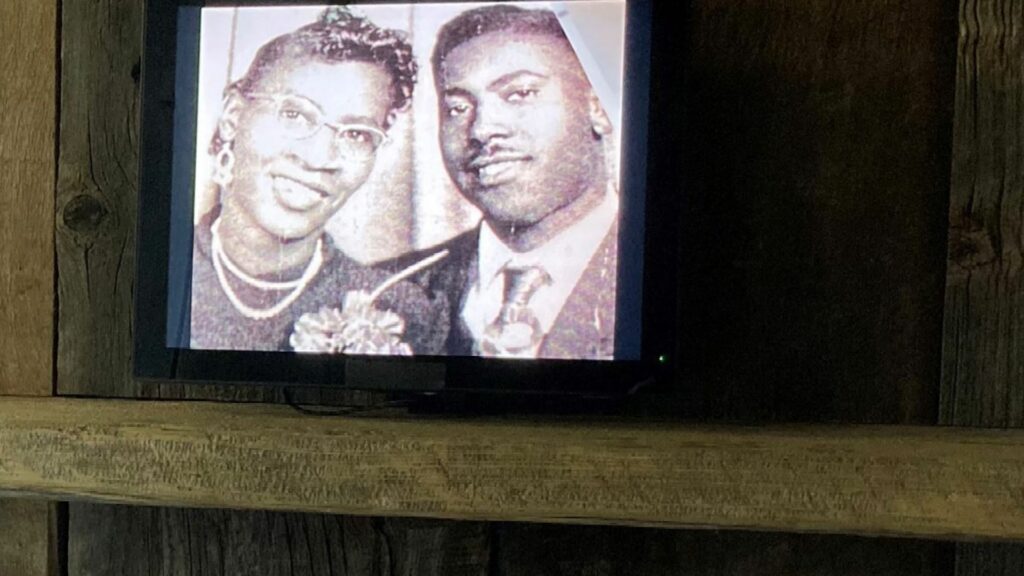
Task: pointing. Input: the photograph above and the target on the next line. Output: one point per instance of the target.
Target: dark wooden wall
(213, 542)
(820, 136)
(818, 146)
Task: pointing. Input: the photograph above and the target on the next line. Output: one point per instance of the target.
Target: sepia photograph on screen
(429, 179)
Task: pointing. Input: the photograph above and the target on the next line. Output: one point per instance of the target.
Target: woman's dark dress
(217, 325)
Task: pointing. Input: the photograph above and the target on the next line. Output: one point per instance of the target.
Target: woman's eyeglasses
(299, 118)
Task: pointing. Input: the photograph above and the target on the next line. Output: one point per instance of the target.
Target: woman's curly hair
(340, 36)
(337, 36)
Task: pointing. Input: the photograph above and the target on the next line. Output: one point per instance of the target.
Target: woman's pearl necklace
(221, 260)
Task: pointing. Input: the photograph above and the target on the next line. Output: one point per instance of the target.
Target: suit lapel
(585, 327)
(461, 272)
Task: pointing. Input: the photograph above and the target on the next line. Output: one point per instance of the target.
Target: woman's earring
(224, 167)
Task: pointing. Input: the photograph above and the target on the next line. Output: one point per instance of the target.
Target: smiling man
(526, 140)
(298, 135)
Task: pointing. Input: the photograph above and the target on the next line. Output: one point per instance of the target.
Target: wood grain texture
(172, 542)
(982, 381)
(989, 560)
(27, 537)
(96, 196)
(816, 205)
(908, 481)
(983, 355)
(983, 339)
(28, 116)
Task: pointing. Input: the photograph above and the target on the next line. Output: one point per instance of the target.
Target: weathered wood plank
(96, 194)
(174, 541)
(27, 538)
(983, 340)
(909, 481)
(28, 116)
(983, 355)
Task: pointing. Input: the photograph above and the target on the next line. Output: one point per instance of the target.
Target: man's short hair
(494, 18)
(340, 36)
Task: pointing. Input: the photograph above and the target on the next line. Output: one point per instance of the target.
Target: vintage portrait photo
(435, 179)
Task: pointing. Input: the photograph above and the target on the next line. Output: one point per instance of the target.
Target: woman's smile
(298, 195)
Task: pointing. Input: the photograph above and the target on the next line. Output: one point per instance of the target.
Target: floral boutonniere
(359, 327)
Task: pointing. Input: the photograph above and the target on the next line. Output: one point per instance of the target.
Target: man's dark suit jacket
(585, 327)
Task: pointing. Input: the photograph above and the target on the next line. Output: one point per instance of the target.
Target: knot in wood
(971, 246)
(84, 214)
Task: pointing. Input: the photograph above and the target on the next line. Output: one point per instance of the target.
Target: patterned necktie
(516, 331)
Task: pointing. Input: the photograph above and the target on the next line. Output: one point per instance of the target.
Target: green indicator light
(663, 359)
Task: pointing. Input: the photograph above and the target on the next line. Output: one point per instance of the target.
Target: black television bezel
(651, 56)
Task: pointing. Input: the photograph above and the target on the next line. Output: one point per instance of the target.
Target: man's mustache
(493, 154)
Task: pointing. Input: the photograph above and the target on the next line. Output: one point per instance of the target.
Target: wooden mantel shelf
(936, 482)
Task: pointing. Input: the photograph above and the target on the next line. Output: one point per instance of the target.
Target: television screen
(392, 181)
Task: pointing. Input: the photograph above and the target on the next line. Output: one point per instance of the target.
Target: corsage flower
(359, 327)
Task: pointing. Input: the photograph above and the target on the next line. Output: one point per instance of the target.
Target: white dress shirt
(564, 258)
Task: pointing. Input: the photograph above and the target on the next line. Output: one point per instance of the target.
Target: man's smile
(498, 168)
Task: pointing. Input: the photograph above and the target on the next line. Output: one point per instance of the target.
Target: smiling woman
(298, 135)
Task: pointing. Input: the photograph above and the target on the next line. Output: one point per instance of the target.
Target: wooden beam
(933, 482)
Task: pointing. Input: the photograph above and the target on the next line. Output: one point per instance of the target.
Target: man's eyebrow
(495, 84)
(455, 91)
(504, 79)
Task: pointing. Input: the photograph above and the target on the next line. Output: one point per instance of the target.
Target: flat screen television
(421, 196)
